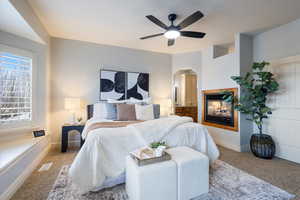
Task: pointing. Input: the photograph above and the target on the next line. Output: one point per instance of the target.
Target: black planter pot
(262, 146)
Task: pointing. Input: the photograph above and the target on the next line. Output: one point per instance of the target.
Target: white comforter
(105, 149)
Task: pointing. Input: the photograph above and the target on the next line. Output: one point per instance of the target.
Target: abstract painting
(120, 85)
(137, 85)
(112, 85)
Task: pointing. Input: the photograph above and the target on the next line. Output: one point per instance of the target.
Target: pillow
(144, 112)
(126, 112)
(156, 111)
(104, 110)
(138, 101)
(117, 101)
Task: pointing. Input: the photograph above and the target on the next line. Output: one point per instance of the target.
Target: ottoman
(151, 182)
(193, 172)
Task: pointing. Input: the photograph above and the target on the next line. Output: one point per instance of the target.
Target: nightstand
(64, 135)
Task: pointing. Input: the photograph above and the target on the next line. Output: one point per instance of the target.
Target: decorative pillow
(126, 112)
(104, 110)
(138, 101)
(144, 112)
(117, 101)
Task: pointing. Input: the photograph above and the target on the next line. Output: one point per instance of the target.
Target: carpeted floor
(225, 183)
(278, 172)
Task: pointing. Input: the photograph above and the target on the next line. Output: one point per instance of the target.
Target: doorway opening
(185, 99)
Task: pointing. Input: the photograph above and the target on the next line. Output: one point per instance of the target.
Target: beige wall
(76, 68)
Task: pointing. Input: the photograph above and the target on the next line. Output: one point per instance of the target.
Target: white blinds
(15, 88)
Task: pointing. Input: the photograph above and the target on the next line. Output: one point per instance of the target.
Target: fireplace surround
(218, 113)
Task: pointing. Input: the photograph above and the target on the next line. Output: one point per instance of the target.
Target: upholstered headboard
(90, 110)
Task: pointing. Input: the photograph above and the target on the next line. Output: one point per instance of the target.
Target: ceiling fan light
(172, 34)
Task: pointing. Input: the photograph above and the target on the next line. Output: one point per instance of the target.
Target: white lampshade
(72, 103)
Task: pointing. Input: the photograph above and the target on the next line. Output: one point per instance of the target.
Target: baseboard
(245, 147)
(229, 146)
(26, 173)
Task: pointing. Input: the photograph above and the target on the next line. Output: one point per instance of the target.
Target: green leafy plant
(154, 145)
(255, 88)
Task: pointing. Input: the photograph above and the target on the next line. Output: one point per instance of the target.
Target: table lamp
(72, 105)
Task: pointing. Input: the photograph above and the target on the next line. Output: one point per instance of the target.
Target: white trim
(34, 77)
(229, 146)
(26, 173)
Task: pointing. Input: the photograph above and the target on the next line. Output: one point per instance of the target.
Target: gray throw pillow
(111, 111)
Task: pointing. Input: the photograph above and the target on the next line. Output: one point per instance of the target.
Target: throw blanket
(104, 152)
(114, 124)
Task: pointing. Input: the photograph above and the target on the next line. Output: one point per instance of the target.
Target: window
(15, 87)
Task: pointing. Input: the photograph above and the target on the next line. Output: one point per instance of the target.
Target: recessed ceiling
(122, 23)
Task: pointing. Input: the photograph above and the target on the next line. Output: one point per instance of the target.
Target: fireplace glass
(218, 111)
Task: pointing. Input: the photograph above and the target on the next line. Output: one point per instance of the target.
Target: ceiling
(121, 22)
(12, 22)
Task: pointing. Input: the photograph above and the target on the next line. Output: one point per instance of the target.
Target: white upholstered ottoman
(151, 182)
(193, 172)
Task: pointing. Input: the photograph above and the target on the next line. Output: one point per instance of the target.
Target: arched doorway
(185, 98)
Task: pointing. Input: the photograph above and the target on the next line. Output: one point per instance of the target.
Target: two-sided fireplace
(217, 112)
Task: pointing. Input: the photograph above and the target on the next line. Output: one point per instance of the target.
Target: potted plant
(255, 87)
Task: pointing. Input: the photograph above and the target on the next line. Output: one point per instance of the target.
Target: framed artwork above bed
(137, 85)
(112, 85)
(119, 85)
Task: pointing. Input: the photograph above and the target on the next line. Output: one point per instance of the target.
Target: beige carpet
(281, 173)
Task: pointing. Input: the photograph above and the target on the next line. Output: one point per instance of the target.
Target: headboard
(90, 110)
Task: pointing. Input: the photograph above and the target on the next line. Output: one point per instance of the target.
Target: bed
(101, 161)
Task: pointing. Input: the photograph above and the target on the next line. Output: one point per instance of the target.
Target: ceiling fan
(172, 32)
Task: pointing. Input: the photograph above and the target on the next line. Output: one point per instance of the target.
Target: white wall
(284, 124)
(76, 68)
(25, 10)
(275, 45)
(193, 61)
(215, 74)
(190, 60)
(244, 61)
(280, 42)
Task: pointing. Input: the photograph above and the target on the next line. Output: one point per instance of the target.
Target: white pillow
(117, 101)
(144, 112)
(137, 101)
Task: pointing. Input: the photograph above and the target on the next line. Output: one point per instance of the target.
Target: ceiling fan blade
(157, 22)
(192, 34)
(190, 20)
(151, 36)
(171, 42)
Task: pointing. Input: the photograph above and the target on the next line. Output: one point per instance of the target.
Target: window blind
(15, 88)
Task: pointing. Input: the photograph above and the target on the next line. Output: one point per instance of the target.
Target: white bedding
(103, 154)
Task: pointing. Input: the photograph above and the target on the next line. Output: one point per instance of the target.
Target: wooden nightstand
(64, 135)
